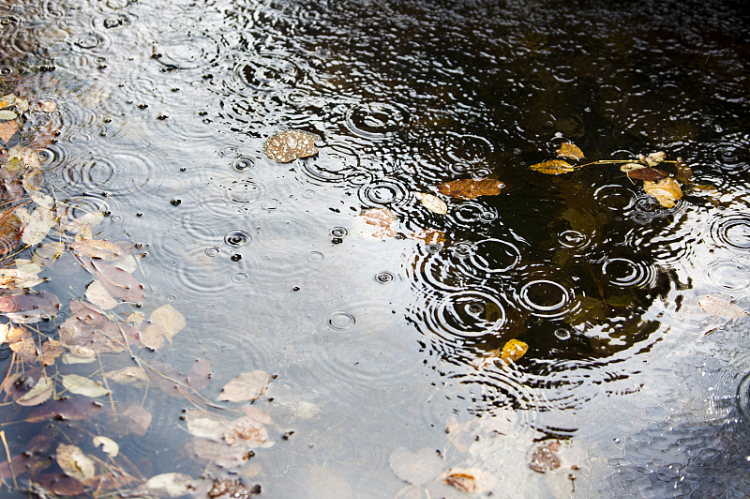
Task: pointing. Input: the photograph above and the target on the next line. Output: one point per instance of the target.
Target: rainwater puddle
(310, 249)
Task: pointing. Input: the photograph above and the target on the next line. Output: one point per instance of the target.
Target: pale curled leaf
(109, 446)
(432, 203)
(652, 159)
(629, 167)
(169, 320)
(74, 462)
(81, 385)
(246, 386)
(39, 394)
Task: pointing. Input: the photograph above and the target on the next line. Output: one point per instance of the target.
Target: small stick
(10, 461)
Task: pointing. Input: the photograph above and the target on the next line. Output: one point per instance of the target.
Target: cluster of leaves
(656, 182)
(65, 376)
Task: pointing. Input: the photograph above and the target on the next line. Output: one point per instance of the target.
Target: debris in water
(290, 145)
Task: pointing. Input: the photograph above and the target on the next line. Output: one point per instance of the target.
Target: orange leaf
(7, 130)
(469, 188)
(666, 191)
(571, 151)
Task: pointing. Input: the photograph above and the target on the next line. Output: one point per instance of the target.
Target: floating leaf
(513, 350)
(245, 431)
(544, 457)
(200, 425)
(7, 130)
(47, 106)
(432, 203)
(629, 167)
(571, 151)
(66, 409)
(290, 145)
(40, 223)
(199, 375)
(721, 308)
(469, 188)
(44, 136)
(553, 167)
(8, 115)
(139, 419)
(131, 375)
(469, 480)
(166, 485)
(11, 227)
(152, 337)
(666, 191)
(39, 394)
(246, 386)
(416, 469)
(42, 305)
(84, 223)
(169, 320)
(119, 282)
(81, 385)
(74, 462)
(649, 174)
(109, 446)
(46, 254)
(16, 279)
(379, 223)
(652, 159)
(100, 248)
(98, 294)
(223, 487)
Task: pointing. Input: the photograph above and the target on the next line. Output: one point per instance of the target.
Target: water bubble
(562, 334)
(240, 277)
(308, 194)
(88, 41)
(384, 277)
(229, 152)
(237, 238)
(242, 164)
(171, 297)
(463, 249)
(341, 321)
(315, 256)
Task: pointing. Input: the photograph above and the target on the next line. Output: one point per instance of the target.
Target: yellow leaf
(570, 150)
(629, 167)
(667, 191)
(513, 350)
(81, 385)
(553, 167)
(432, 203)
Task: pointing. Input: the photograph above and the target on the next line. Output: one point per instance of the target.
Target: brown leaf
(629, 167)
(223, 487)
(667, 191)
(67, 409)
(199, 375)
(544, 457)
(246, 386)
(469, 480)
(44, 136)
(168, 319)
(152, 337)
(46, 303)
(469, 188)
(378, 223)
(11, 228)
(571, 151)
(131, 375)
(652, 159)
(290, 145)
(7, 130)
(74, 462)
(553, 167)
(649, 174)
(57, 484)
(86, 312)
(684, 172)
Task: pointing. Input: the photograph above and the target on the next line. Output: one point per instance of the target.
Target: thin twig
(10, 461)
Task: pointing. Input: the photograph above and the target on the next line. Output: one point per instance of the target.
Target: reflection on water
(383, 327)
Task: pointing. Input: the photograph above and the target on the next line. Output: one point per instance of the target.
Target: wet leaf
(234, 489)
(80, 385)
(152, 337)
(684, 172)
(245, 431)
(246, 386)
(39, 394)
(649, 174)
(629, 167)
(513, 350)
(432, 203)
(378, 223)
(11, 228)
(666, 191)
(290, 145)
(66, 409)
(469, 480)
(40, 223)
(7, 115)
(469, 188)
(119, 282)
(721, 308)
(69, 358)
(652, 159)
(131, 375)
(570, 151)
(57, 484)
(100, 248)
(200, 424)
(84, 223)
(140, 419)
(109, 446)
(553, 167)
(44, 137)
(43, 305)
(199, 375)
(544, 457)
(98, 294)
(219, 453)
(166, 485)
(74, 462)
(416, 469)
(47, 106)
(7, 130)
(47, 253)
(169, 320)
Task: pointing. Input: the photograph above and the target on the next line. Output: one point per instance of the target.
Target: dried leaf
(378, 223)
(432, 203)
(42, 304)
(44, 136)
(649, 174)
(259, 414)
(571, 151)
(140, 419)
(11, 228)
(47, 106)
(166, 485)
(16, 279)
(416, 469)
(47, 253)
(131, 375)
(513, 350)
(74, 462)
(39, 394)
(41, 221)
(80, 385)
(169, 320)
(469, 188)
(666, 191)
(199, 375)
(100, 248)
(290, 145)
(84, 223)
(97, 294)
(119, 282)
(152, 337)
(246, 386)
(109, 446)
(223, 487)
(721, 308)
(544, 457)
(652, 159)
(629, 167)
(469, 480)
(66, 409)
(200, 425)
(553, 167)
(8, 115)
(245, 431)
(7, 130)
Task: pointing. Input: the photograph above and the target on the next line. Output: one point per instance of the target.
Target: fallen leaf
(44, 136)
(11, 228)
(66, 409)
(22, 104)
(7, 115)
(80, 385)
(245, 431)
(684, 172)
(469, 188)
(721, 308)
(652, 159)
(43, 304)
(629, 167)
(378, 223)
(109, 446)
(553, 167)
(140, 419)
(57, 485)
(74, 462)
(513, 350)
(47, 253)
(223, 487)
(571, 151)
(98, 294)
(290, 145)
(246, 386)
(259, 414)
(201, 425)
(469, 480)
(41, 221)
(666, 191)
(544, 457)
(432, 203)
(199, 375)
(416, 469)
(7, 130)
(131, 375)
(152, 337)
(100, 248)
(166, 485)
(47, 106)
(169, 320)
(39, 394)
(649, 174)
(119, 282)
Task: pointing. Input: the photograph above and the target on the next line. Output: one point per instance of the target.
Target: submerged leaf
(553, 167)
(40, 223)
(290, 145)
(39, 394)
(166, 485)
(571, 151)
(469, 188)
(432, 203)
(81, 385)
(169, 320)
(131, 375)
(649, 174)
(98, 295)
(721, 308)
(666, 191)
(544, 457)
(74, 462)
(16, 279)
(246, 386)
(378, 223)
(513, 350)
(7, 130)
(416, 469)
(245, 431)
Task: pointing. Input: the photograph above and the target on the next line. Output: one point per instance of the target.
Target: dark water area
(386, 332)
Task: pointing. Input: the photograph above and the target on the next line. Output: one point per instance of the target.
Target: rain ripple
(731, 231)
